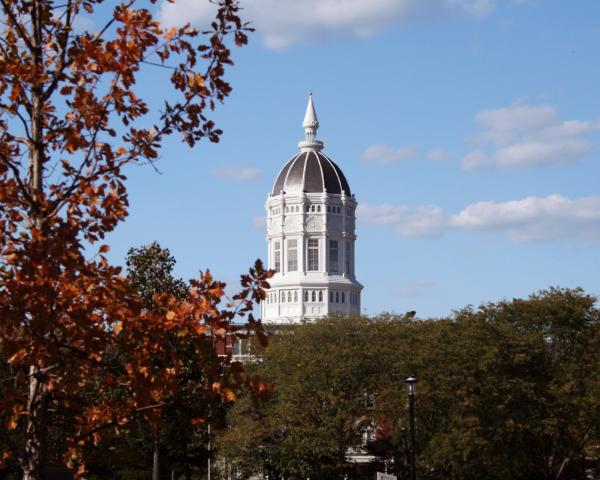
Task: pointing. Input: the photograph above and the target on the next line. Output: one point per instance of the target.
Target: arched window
(308, 208)
(312, 208)
(343, 297)
(320, 295)
(338, 209)
(306, 295)
(318, 208)
(337, 297)
(314, 296)
(282, 294)
(289, 296)
(295, 295)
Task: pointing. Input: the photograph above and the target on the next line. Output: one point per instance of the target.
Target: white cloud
(237, 173)
(386, 155)
(438, 154)
(259, 222)
(420, 221)
(284, 22)
(534, 218)
(526, 220)
(525, 136)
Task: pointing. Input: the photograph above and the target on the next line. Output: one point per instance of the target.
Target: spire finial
(310, 125)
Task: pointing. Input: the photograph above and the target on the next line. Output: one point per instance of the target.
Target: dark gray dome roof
(311, 172)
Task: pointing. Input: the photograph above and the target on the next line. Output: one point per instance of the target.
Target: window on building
(331, 297)
(318, 208)
(313, 254)
(333, 256)
(320, 295)
(292, 255)
(236, 348)
(343, 297)
(348, 256)
(337, 297)
(282, 296)
(289, 296)
(313, 296)
(277, 257)
(306, 295)
(295, 295)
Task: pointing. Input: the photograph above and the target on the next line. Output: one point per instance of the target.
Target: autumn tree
(71, 120)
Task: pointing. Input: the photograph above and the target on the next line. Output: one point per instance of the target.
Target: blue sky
(468, 130)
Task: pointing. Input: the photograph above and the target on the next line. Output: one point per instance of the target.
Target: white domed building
(311, 237)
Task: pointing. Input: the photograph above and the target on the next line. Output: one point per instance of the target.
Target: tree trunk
(156, 461)
(37, 401)
(37, 396)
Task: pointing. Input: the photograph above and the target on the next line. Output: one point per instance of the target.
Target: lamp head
(411, 381)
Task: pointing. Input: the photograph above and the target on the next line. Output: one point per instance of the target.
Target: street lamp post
(411, 381)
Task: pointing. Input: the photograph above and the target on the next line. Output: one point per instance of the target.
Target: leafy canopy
(72, 117)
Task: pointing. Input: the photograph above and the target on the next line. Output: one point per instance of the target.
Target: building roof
(311, 172)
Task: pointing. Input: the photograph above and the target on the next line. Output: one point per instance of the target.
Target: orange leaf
(230, 395)
(17, 356)
(13, 422)
(183, 332)
(200, 329)
(170, 33)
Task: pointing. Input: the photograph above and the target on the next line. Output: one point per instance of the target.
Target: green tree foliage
(323, 376)
(510, 390)
(180, 440)
(150, 272)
